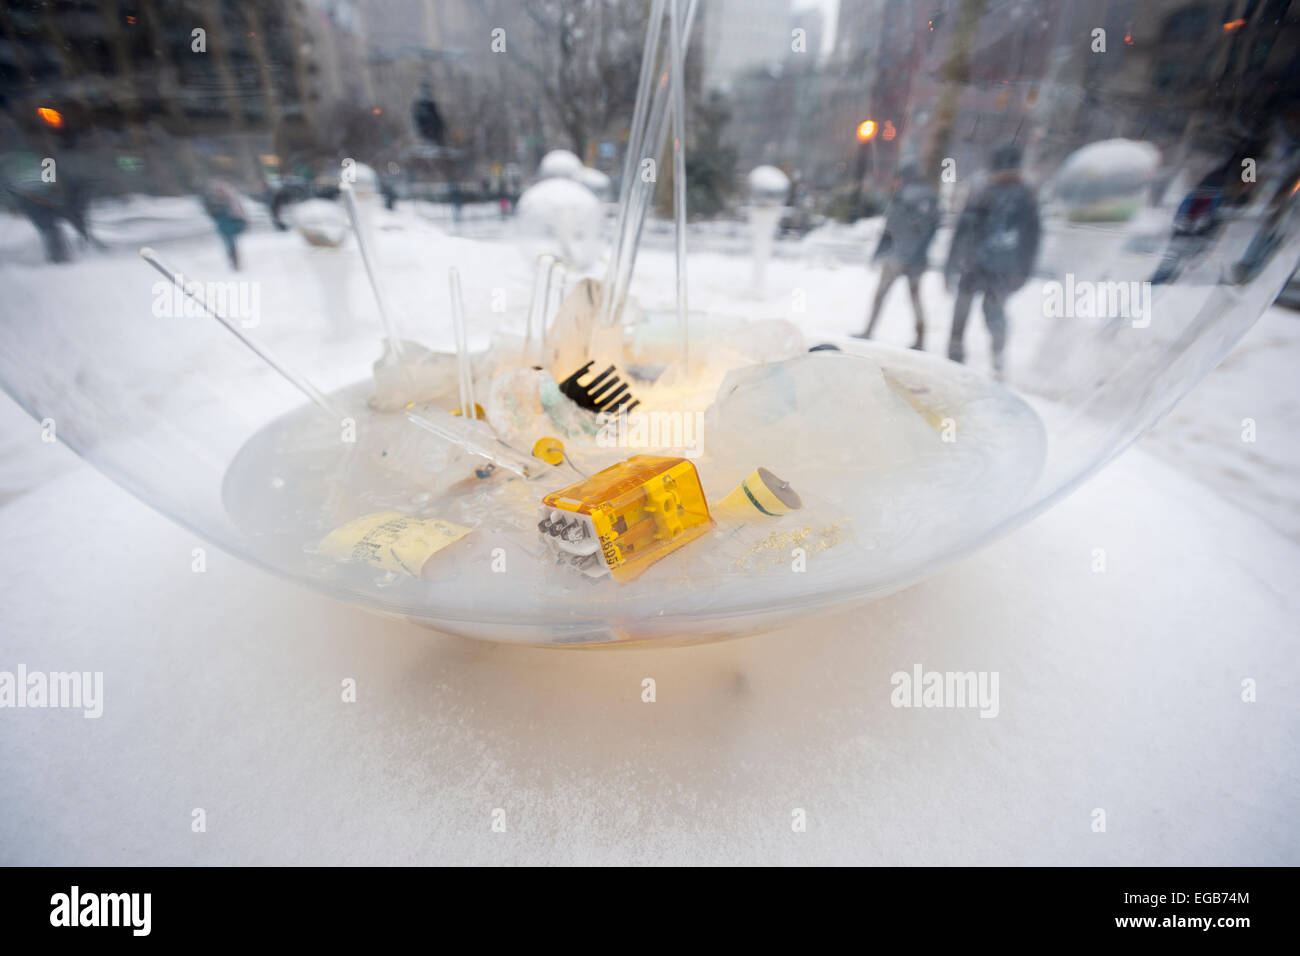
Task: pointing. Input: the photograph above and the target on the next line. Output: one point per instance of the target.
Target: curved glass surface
(1074, 209)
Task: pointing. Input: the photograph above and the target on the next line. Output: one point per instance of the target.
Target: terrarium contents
(605, 392)
(568, 340)
(832, 415)
(763, 520)
(549, 450)
(867, 435)
(770, 551)
(420, 376)
(760, 493)
(477, 438)
(868, 486)
(525, 404)
(623, 519)
(392, 541)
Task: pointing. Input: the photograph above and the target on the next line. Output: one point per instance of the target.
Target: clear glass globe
(1051, 218)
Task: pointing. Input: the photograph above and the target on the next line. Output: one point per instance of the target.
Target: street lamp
(866, 133)
(51, 117)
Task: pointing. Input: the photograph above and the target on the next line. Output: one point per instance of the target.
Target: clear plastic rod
(476, 438)
(555, 291)
(363, 243)
(678, 81)
(464, 363)
(540, 301)
(294, 378)
(642, 192)
(635, 145)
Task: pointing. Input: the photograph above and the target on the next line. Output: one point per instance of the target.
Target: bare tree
(586, 63)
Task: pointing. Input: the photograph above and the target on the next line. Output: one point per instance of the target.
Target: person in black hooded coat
(993, 251)
(910, 223)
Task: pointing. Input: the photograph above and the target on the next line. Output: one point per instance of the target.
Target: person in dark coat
(910, 224)
(47, 204)
(993, 251)
(44, 214)
(222, 202)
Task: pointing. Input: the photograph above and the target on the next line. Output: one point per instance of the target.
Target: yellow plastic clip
(478, 412)
(549, 450)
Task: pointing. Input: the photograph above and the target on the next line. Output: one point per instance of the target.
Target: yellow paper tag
(391, 540)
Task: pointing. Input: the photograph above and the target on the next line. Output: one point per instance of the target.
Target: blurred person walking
(47, 204)
(993, 251)
(910, 224)
(221, 201)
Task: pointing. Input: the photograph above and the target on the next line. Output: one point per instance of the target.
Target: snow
(320, 222)
(125, 223)
(597, 182)
(1120, 690)
(562, 164)
(363, 178)
(563, 218)
(1207, 437)
(559, 163)
(1124, 164)
(768, 184)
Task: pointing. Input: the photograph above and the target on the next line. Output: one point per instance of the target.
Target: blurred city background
(415, 89)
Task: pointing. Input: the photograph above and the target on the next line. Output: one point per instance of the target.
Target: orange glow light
(866, 130)
(377, 111)
(52, 117)
(1233, 25)
(888, 132)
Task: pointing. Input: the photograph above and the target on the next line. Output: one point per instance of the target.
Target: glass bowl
(1155, 145)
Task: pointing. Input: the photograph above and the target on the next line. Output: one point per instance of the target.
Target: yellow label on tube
(392, 541)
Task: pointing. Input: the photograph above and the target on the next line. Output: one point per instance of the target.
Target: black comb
(604, 393)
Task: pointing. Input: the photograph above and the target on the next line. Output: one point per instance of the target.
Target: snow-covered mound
(768, 185)
(1104, 172)
(596, 181)
(559, 164)
(320, 222)
(563, 218)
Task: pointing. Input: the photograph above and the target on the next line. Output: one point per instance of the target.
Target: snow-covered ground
(1120, 691)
